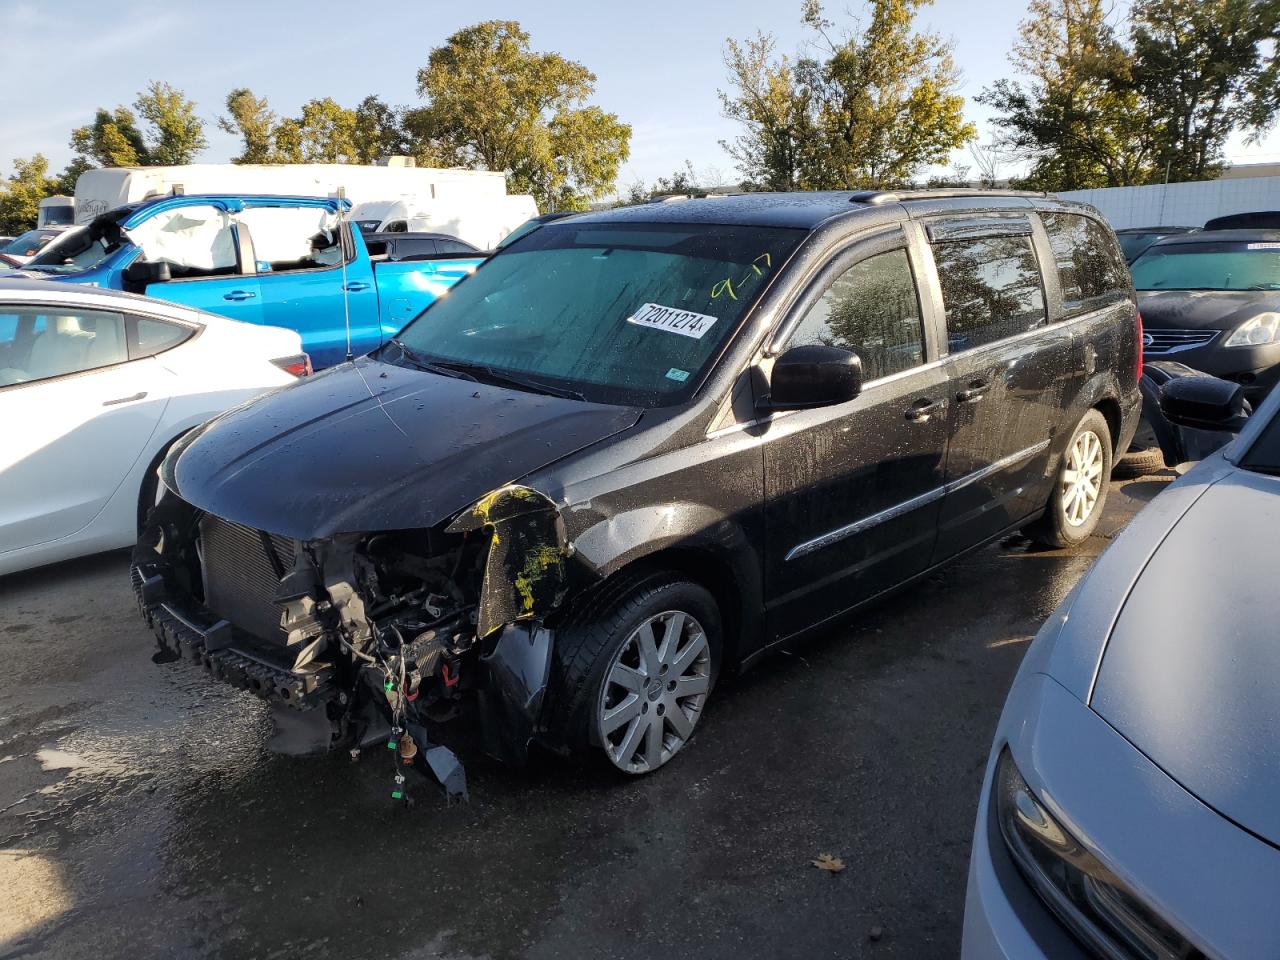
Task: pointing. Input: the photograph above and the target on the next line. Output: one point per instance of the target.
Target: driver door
(852, 491)
(210, 260)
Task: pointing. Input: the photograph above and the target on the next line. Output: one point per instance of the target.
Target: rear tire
(1144, 455)
(1080, 488)
(634, 669)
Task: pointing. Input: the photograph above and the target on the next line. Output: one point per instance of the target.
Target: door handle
(355, 286)
(976, 390)
(141, 395)
(239, 295)
(923, 409)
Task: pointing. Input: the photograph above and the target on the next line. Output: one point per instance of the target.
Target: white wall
(1180, 204)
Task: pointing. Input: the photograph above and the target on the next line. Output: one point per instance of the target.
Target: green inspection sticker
(680, 376)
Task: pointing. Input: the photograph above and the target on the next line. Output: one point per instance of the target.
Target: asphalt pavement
(142, 816)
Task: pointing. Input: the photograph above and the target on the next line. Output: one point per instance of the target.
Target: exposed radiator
(239, 577)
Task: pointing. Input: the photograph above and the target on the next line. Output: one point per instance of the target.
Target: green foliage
(112, 140)
(174, 133)
(871, 109)
(326, 131)
(251, 119)
(492, 102)
(1195, 62)
(22, 192)
(1156, 97)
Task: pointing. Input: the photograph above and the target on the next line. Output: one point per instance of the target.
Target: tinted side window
(991, 289)
(454, 246)
(1090, 270)
(154, 336)
(872, 309)
(416, 247)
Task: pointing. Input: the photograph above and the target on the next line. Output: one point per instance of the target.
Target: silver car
(1131, 805)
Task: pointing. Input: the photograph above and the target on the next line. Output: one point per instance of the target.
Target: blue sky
(658, 62)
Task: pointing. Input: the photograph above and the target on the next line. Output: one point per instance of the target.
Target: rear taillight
(299, 365)
(1137, 320)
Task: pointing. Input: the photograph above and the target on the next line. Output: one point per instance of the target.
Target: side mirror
(814, 375)
(1204, 403)
(142, 272)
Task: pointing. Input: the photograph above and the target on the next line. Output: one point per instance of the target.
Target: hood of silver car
(1191, 674)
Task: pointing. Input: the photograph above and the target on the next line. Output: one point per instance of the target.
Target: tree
(22, 192)
(870, 109)
(326, 132)
(176, 133)
(112, 140)
(1077, 117)
(252, 120)
(1196, 62)
(66, 181)
(379, 131)
(494, 103)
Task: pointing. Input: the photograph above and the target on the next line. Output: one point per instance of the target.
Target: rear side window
(1090, 269)
(418, 247)
(990, 288)
(871, 309)
(454, 246)
(155, 336)
(47, 343)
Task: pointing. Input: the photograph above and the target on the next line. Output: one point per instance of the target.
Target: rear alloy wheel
(1080, 489)
(1081, 480)
(653, 691)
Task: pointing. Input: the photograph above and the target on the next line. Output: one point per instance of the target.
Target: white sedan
(95, 386)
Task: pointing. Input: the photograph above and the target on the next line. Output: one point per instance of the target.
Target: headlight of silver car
(1256, 331)
(1085, 895)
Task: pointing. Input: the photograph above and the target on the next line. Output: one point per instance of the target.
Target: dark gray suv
(637, 449)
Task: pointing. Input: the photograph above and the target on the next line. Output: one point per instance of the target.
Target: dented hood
(369, 446)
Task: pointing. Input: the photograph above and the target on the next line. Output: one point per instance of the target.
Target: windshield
(28, 243)
(621, 313)
(73, 252)
(1218, 265)
(1264, 455)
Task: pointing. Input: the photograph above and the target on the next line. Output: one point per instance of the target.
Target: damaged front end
(366, 639)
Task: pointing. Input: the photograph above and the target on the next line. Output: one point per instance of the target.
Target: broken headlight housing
(1087, 897)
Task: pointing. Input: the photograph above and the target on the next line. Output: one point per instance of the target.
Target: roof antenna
(342, 252)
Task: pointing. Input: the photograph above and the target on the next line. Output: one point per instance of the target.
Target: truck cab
(281, 261)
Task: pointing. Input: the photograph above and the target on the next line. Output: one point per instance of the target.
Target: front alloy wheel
(653, 691)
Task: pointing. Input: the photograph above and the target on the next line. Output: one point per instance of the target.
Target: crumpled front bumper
(188, 632)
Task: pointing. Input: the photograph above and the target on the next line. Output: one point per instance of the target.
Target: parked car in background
(638, 449)
(1211, 300)
(94, 387)
(532, 224)
(21, 249)
(416, 246)
(280, 261)
(1135, 240)
(1253, 220)
(1129, 804)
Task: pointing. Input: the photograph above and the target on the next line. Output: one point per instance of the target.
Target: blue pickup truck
(283, 261)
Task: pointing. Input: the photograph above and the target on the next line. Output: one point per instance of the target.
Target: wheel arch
(732, 577)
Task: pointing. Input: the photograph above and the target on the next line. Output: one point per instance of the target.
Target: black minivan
(637, 449)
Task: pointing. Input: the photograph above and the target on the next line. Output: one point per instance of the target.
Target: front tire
(1080, 488)
(635, 673)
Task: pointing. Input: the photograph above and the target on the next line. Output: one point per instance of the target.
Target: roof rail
(877, 197)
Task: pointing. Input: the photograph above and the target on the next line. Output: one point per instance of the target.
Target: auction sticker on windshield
(684, 322)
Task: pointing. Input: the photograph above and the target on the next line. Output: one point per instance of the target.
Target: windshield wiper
(479, 371)
(423, 363)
